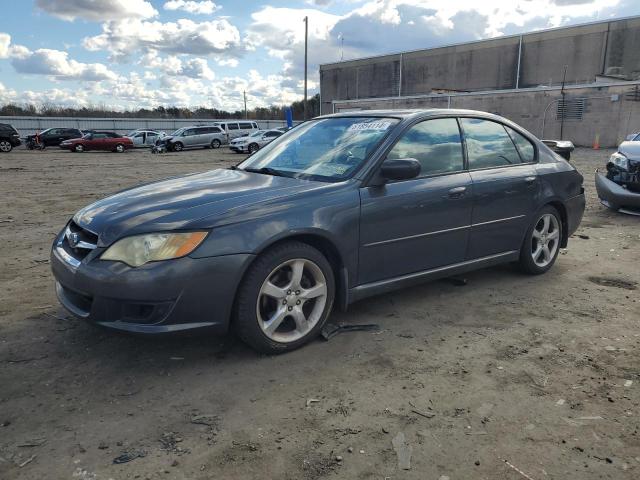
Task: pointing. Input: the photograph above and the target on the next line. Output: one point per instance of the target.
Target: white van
(240, 128)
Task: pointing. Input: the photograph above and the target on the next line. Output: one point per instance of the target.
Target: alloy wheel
(5, 146)
(291, 300)
(546, 240)
(79, 148)
(119, 148)
(253, 148)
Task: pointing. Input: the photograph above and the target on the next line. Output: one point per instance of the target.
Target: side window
(435, 144)
(232, 126)
(254, 125)
(189, 132)
(525, 147)
(216, 130)
(245, 126)
(271, 134)
(99, 135)
(488, 144)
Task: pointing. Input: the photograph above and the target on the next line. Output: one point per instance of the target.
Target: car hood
(631, 150)
(240, 139)
(180, 203)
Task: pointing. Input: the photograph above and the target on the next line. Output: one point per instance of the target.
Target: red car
(109, 141)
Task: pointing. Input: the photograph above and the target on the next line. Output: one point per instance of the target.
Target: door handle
(457, 192)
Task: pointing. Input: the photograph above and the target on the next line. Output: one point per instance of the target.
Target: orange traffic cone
(596, 142)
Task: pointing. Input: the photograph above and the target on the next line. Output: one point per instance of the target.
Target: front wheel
(253, 148)
(285, 298)
(542, 242)
(177, 147)
(215, 143)
(120, 148)
(78, 149)
(5, 146)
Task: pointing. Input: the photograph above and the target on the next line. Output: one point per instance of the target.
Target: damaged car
(619, 188)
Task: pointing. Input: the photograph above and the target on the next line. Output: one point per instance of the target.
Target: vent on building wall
(633, 94)
(570, 109)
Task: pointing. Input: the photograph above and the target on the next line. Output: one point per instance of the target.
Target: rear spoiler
(561, 147)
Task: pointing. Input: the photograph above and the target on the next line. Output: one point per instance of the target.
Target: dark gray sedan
(339, 208)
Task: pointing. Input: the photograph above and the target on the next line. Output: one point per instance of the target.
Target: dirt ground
(507, 377)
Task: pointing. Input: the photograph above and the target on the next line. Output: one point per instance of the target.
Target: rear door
(505, 186)
(233, 130)
(422, 223)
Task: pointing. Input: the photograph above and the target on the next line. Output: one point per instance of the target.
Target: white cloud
(97, 10)
(124, 37)
(57, 64)
(205, 7)
(229, 62)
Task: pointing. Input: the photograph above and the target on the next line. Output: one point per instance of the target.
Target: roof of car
(405, 113)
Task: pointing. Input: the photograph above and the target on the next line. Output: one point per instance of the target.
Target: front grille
(78, 242)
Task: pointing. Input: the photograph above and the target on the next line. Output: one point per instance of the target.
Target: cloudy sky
(143, 53)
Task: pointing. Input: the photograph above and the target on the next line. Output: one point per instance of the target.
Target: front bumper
(159, 297)
(238, 148)
(615, 196)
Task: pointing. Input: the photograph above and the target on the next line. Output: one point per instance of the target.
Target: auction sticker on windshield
(357, 127)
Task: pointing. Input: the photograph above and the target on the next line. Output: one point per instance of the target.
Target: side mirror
(400, 169)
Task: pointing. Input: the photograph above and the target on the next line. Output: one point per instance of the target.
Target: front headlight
(140, 249)
(620, 161)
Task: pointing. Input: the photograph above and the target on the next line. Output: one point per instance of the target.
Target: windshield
(178, 132)
(258, 133)
(329, 149)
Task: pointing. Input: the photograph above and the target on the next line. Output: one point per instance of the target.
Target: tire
(119, 148)
(532, 260)
(253, 148)
(177, 147)
(78, 148)
(215, 143)
(5, 146)
(255, 311)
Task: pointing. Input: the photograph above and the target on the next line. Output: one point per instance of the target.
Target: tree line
(101, 111)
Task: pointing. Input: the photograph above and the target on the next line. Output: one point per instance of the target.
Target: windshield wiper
(267, 171)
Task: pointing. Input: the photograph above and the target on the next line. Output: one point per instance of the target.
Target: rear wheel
(215, 143)
(542, 242)
(177, 147)
(78, 148)
(5, 146)
(254, 147)
(285, 298)
(119, 148)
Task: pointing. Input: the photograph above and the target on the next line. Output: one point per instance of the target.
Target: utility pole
(341, 37)
(564, 103)
(306, 36)
(244, 94)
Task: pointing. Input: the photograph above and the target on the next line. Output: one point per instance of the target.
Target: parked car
(633, 137)
(98, 140)
(255, 141)
(210, 136)
(619, 188)
(51, 137)
(237, 129)
(9, 137)
(145, 138)
(342, 207)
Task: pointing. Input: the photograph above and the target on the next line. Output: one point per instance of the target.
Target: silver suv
(197, 136)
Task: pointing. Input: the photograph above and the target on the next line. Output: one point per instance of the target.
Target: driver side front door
(423, 223)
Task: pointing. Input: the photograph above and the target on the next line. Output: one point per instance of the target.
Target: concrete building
(519, 77)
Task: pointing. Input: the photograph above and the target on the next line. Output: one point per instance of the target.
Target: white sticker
(357, 127)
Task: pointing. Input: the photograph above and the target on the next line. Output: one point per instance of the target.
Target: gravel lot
(540, 374)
